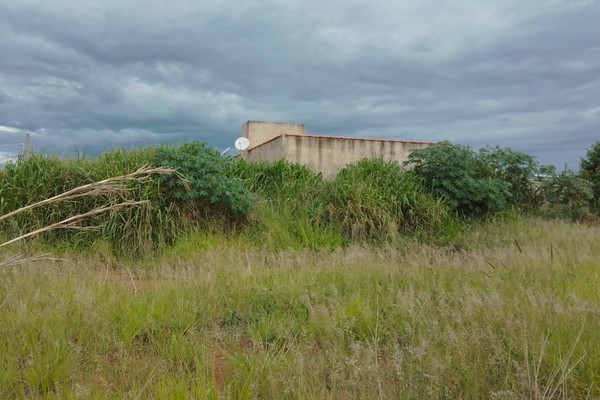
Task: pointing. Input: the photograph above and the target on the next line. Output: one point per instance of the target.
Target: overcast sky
(95, 75)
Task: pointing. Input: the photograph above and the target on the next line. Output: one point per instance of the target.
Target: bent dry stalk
(107, 186)
(111, 186)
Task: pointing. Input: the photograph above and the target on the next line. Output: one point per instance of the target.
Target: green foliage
(277, 180)
(377, 200)
(287, 186)
(131, 228)
(479, 183)
(210, 191)
(281, 226)
(171, 208)
(464, 178)
(590, 171)
(371, 200)
(28, 181)
(294, 207)
(566, 195)
(291, 201)
(515, 168)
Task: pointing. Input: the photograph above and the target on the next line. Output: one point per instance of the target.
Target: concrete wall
(259, 132)
(272, 150)
(272, 141)
(328, 154)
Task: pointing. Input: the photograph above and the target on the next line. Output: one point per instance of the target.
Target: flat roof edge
(340, 138)
(355, 138)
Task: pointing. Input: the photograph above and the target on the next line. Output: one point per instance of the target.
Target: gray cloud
(97, 75)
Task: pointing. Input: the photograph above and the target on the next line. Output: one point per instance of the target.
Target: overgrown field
(515, 314)
(175, 273)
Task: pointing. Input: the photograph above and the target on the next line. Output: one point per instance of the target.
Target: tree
(515, 168)
(566, 195)
(590, 171)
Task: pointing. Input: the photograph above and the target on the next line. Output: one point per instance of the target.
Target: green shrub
(480, 183)
(566, 195)
(375, 200)
(457, 174)
(211, 191)
(515, 168)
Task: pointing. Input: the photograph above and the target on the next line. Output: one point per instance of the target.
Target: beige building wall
(272, 150)
(259, 132)
(328, 154)
(272, 141)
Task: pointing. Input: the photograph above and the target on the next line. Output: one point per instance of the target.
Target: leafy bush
(458, 175)
(566, 195)
(478, 183)
(515, 168)
(211, 191)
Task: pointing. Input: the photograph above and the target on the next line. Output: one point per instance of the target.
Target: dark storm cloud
(85, 75)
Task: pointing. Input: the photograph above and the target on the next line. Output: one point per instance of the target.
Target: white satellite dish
(242, 144)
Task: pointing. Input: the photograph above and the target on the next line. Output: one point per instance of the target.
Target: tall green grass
(132, 228)
(280, 204)
(173, 204)
(370, 201)
(375, 200)
(279, 180)
(291, 201)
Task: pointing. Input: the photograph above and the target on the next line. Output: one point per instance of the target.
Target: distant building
(272, 141)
